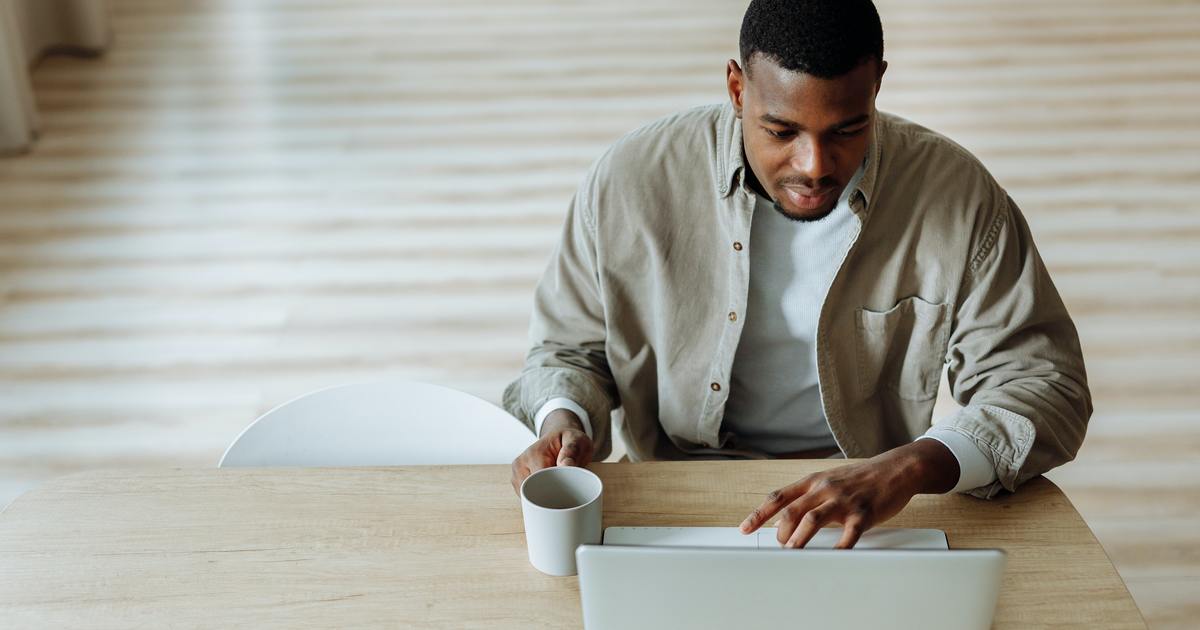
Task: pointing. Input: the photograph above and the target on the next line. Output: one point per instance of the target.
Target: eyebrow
(782, 122)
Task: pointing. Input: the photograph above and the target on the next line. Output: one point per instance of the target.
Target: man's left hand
(858, 496)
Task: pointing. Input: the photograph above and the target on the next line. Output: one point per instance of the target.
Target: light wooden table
(441, 546)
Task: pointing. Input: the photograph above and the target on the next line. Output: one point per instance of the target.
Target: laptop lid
(625, 587)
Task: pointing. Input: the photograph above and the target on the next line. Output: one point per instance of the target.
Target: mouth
(808, 199)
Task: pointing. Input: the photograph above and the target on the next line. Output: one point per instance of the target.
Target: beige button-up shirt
(633, 314)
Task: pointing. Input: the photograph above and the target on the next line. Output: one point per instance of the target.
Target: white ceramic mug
(562, 507)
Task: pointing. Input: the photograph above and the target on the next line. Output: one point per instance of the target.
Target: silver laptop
(715, 578)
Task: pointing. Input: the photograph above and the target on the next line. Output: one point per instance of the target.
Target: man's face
(804, 136)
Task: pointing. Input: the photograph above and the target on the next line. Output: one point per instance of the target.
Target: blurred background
(241, 201)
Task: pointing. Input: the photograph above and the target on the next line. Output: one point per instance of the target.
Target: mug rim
(599, 492)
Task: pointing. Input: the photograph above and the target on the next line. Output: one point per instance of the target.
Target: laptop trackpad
(764, 538)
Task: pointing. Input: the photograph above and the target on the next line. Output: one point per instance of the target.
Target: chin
(806, 214)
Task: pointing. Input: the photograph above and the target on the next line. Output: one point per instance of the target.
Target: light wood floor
(247, 200)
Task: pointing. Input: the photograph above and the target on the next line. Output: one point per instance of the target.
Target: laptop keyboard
(764, 538)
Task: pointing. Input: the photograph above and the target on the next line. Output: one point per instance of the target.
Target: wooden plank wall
(244, 201)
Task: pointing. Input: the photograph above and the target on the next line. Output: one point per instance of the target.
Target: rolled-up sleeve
(567, 331)
(1015, 362)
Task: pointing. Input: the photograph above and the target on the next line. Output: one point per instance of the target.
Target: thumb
(576, 449)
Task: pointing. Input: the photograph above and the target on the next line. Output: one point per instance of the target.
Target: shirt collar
(731, 160)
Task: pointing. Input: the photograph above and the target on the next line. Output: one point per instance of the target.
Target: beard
(811, 218)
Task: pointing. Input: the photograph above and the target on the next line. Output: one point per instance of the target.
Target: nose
(813, 159)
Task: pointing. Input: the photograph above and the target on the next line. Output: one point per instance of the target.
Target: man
(785, 276)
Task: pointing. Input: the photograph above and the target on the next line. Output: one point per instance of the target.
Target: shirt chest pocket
(902, 349)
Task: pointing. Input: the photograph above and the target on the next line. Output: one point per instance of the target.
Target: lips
(808, 199)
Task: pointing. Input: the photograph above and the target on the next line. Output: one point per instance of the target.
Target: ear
(735, 80)
(883, 65)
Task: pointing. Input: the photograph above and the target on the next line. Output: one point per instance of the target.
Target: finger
(519, 473)
(810, 524)
(776, 500)
(538, 456)
(585, 450)
(569, 450)
(852, 530)
(793, 515)
(576, 449)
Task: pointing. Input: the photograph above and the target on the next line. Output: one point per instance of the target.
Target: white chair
(380, 424)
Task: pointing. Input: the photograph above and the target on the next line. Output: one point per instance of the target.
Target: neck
(752, 180)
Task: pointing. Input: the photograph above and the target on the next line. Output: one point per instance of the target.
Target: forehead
(808, 99)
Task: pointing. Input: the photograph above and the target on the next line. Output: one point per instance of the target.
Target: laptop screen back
(624, 588)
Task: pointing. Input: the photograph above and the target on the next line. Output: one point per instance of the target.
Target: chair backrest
(380, 424)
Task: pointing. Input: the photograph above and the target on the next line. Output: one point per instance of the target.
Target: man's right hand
(563, 442)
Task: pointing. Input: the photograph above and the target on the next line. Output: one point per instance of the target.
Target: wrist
(560, 420)
(927, 467)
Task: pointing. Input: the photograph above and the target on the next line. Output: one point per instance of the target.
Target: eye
(851, 132)
(779, 134)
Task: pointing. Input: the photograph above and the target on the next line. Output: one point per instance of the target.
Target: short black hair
(824, 38)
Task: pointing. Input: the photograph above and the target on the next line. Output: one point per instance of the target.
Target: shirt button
(732, 316)
(737, 246)
(716, 387)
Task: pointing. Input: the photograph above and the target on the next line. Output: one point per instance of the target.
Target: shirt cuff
(974, 468)
(554, 404)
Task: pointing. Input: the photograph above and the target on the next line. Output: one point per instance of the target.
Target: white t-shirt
(774, 400)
